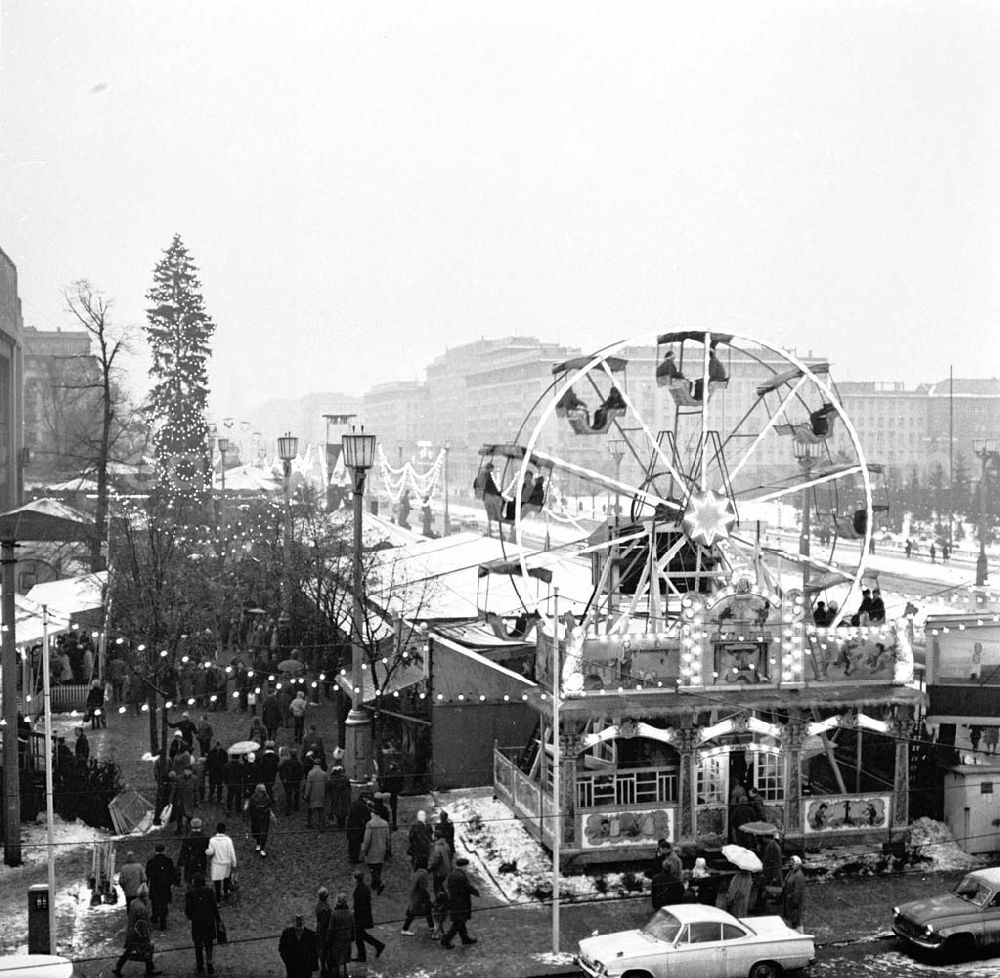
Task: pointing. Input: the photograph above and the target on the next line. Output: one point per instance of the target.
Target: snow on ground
(66, 836)
(553, 957)
(518, 868)
(930, 843)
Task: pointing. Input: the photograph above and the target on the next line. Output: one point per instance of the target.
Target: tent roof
(45, 519)
(71, 595)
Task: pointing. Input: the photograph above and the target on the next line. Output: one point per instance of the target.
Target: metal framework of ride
(731, 427)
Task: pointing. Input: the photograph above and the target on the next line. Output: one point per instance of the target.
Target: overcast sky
(364, 184)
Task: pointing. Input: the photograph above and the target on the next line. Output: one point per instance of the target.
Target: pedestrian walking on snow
(375, 847)
(363, 919)
(160, 877)
(138, 945)
(339, 937)
(420, 839)
(314, 795)
(460, 894)
(202, 909)
(421, 900)
(222, 861)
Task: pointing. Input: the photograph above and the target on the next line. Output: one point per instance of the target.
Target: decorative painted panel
(627, 828)
(837, 813)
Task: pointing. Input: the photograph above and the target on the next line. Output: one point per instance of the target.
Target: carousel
(731, 663)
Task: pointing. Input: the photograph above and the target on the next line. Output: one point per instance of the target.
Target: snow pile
(517, 866)
(930, 847)
(553, 957)
(66, 836)
(934, 844)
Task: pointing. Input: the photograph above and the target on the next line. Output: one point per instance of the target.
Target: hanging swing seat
(680, 391)
(802, 432)
(520, 630)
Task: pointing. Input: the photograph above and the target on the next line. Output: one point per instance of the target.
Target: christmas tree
(179, 330)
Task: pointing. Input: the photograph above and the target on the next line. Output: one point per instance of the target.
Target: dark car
(956, 923)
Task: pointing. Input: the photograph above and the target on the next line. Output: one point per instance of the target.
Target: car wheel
(637, 974)
(765, 969)
(959, 947)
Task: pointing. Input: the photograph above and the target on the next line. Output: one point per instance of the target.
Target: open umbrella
(759, 828)
(243, 747)
(743, 858)
(290, 665)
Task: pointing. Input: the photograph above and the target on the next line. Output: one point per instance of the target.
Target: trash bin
(38, 919)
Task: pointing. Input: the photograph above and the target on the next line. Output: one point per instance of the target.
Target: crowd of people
(196, 772)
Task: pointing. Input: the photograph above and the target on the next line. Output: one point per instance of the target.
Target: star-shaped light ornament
(709, 517)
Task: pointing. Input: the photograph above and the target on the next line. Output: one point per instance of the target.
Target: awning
(403, 677)
(511, 568)
(964, 704)
(614, 364)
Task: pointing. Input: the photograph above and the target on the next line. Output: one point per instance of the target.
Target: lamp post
(213, 430)
(986, 451)
(223, 451)
(806, 454)
(447, 524)
(288, 449)
(616, 449)
(359, 455)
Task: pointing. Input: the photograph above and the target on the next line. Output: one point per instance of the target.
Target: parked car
(37, 966)
(694, 939)
(954, 924)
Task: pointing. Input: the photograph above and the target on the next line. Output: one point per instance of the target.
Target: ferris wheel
(732, 463)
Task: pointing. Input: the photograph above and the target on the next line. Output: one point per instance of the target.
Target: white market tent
(71, 595)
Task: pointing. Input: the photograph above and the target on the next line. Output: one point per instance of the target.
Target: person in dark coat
(421, 900)
(460, 894)
(291, 774)
(420, 841)
(771, 858)
(323, 913)
(260, 811)
(447, 827)
(338, 792)
(357, 819)
(160, 877)
(215, 766)
(672, 864)
(202, 909)
(271, 714)
(339, 937)
(268, 767)
(664, 889)
(138, 946)
(81, 748)
(392, 784)
(193, 858)
(232, 778)
(96, 713)
(794, 895)
(363, 919)
(297, 947)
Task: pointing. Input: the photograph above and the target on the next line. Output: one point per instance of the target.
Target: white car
(692, 939)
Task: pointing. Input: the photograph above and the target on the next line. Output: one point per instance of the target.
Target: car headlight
(895, 911)
(928, 928)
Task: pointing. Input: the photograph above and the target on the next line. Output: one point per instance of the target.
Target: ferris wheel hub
(709, 517)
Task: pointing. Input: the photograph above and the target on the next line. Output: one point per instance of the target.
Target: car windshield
(664, 926)
(972, 890)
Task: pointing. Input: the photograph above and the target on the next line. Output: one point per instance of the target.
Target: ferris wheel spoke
(657, 451)
(823, 479)
(766, 430)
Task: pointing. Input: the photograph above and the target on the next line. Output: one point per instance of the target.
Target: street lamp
(359, 455)
(986, 451)
(806, 454)
(288, 449)
(447, 524)
(616, 449)
(223, 450)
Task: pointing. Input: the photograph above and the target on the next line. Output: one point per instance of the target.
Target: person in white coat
(221, 861)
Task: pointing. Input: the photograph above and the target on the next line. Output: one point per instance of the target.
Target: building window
(710, 784)
(770, 776)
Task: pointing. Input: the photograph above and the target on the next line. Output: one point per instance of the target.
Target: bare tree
(92, 310)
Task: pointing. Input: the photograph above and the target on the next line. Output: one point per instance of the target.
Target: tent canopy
(46, 519)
